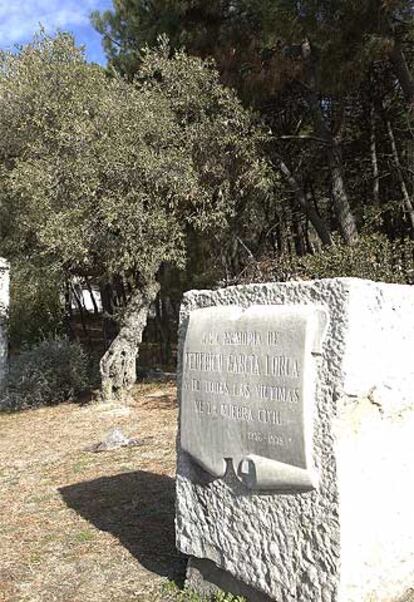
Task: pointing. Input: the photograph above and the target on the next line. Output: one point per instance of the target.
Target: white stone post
(4, 310)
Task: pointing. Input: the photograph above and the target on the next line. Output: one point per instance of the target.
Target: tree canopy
(101, 177)
(243, 36)
(331, 79)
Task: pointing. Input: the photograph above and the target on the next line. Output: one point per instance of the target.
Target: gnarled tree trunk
(118, 364)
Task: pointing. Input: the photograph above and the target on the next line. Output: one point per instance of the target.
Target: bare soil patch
(80, 526)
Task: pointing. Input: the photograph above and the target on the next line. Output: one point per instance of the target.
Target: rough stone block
(349, 535)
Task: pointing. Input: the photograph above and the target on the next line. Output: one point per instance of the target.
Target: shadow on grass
(138, 509)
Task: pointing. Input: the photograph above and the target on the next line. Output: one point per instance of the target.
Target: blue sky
(20, 19)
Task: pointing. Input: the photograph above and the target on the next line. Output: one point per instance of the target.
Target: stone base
(207, 579)
(204, 577)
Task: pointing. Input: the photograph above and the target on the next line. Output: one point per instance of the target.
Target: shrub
(36, 310)
(374, 257)
(49, 373)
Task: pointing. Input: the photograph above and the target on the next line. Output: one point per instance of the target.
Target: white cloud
(20, 19)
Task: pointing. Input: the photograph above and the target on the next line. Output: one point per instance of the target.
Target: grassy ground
(80, 526)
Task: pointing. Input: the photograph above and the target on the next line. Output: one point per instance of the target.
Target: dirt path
(80, 526)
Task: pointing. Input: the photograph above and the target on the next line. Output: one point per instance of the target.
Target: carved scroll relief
(248, 392)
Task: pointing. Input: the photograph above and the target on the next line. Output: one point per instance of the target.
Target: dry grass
(77, 526)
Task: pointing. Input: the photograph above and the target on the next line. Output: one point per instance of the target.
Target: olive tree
(102, 177)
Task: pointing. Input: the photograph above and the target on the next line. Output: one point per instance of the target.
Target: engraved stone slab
(248, 392)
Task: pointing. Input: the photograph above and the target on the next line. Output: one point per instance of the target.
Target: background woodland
(225, 142)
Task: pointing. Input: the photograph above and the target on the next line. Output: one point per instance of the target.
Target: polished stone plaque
(248, 390)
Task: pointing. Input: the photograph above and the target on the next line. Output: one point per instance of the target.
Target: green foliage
(36, 311)
(322, 75)
(83, 174)
(102, 176)
(348, 35)
(224, 140)
(49, 373)
(198, 26)
(174, 594)
(374, 257)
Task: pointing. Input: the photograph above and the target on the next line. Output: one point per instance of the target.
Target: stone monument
(294, 477)
(4, 309)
